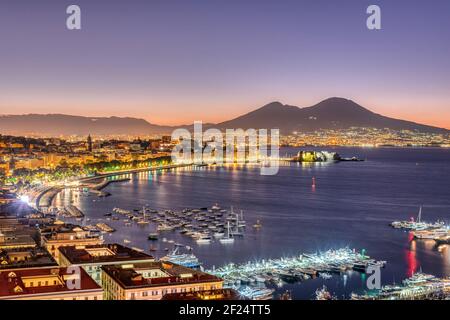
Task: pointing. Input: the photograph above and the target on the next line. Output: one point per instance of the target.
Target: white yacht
(228, 238)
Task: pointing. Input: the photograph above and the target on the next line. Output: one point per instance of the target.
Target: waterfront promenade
(42, 196)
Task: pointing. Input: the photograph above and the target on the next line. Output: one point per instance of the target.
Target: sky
(176, 61)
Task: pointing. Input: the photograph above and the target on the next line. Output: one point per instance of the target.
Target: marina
(275, 272)
(293, 218)
(417, 224)
(418, 286)
(202, 225)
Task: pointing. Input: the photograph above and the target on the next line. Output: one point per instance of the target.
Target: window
(145, 294)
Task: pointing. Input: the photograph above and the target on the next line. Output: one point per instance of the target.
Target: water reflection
(411, 259)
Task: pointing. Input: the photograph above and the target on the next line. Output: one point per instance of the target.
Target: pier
(302, 267)
(74, 211)
(419, 286)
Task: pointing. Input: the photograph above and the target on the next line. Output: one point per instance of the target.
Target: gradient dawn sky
(175, 61)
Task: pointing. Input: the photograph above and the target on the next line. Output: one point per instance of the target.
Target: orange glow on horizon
(169, 114)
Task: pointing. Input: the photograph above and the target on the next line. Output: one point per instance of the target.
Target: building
(29, 163)
(5, 168)
(10, 240)
(92, 258)
(153, 280)
(60, 235)
(217, 294)
(7, 197)
(48, 284)
(89, 143)
(25, 258)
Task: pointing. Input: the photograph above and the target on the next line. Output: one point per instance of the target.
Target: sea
(305, 208)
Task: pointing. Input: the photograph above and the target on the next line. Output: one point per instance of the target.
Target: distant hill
(332, 113)
(60, 124)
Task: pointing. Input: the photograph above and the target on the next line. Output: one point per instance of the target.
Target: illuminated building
(7, 198)
(89, 143)
(67, 235)
(10, 240)
(25, 258)
(48, 284)
(152, 280)
(217, 294)
(92, 258)
(5, 168)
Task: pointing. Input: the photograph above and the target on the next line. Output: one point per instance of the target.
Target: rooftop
(102, 254)
(218, 294)
(9, 240)
(25, 258)
(65, 232)
(158, 273)
(41, 281)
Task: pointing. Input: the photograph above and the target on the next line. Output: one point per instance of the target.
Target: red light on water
(411, 262)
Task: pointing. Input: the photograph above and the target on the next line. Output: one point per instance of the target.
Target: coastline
(49, 193)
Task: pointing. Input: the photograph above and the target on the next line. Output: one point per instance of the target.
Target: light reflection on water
(350, 205)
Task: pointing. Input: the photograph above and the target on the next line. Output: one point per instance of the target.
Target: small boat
(228, 238)
(153, 236)
(257, 225)
(323, 294)
(126, 241)
(203, 240)
(164, 227)
(241, 222)
(218, 235)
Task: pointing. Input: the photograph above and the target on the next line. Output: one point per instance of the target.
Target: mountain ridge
(331, 113)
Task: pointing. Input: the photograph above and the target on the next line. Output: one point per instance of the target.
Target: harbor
(419, 286)
(420, 230)
(203, 225)
(252, 277)
(293, 218)
(416, 224)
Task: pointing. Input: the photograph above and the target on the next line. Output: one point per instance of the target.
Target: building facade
(53, 283)
(151, 281)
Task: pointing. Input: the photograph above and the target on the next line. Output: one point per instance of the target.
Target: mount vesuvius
(332, 113)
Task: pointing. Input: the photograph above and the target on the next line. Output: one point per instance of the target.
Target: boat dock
(104, 227)
(418, 286)
(417, 224)
(73, 211)
(302, 267)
